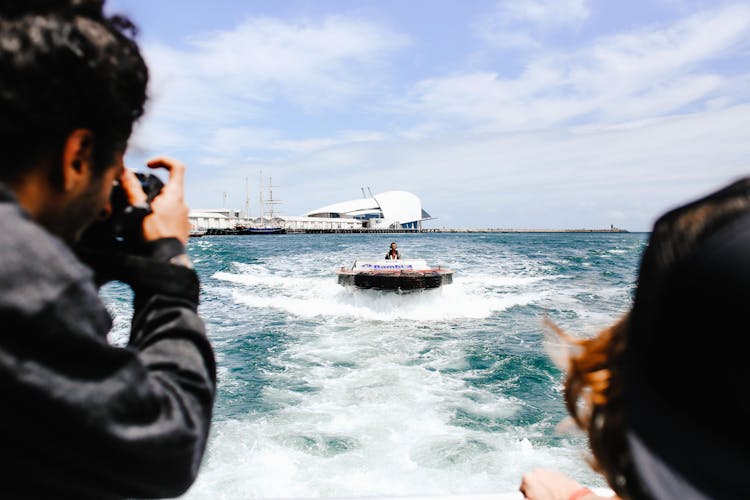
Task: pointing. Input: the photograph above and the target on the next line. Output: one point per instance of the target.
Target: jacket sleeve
(171, 342)
(94, 420)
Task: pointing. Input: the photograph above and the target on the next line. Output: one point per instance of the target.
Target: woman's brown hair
(593, 397)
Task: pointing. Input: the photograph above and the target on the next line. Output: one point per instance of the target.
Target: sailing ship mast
(247, 200)
(266, 210)
(260, 198)
(266, 206)
(271, 202)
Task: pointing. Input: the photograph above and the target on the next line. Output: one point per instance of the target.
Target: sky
(535, 114)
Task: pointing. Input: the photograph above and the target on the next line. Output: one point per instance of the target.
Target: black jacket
(80, 418)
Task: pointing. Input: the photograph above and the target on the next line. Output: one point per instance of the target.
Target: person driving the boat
(392, 253)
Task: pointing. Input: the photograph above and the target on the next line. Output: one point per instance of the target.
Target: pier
(234, 232)
(498, 230)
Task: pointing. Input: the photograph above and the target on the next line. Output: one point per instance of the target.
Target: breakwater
(499, 230)
(233, 232)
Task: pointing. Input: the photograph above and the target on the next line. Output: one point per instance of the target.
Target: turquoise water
(326, 391)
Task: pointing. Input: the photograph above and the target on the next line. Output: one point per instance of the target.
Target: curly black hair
(65, 65)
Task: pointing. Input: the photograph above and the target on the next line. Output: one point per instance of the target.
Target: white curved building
(388, 210)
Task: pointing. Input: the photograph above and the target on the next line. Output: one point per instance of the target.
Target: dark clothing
(684, 352)
(388, 256)
(81, 418)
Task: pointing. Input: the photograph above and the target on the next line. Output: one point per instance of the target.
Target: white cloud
(631, 61)
(579, 177)
(223, 80)
(648, 72)
(238, 142)
(580, 139)
(517, 23)
(314, 65)
(308, 63)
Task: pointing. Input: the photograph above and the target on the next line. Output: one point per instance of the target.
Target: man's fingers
(175, 168)
(169, 213)
(132, 187)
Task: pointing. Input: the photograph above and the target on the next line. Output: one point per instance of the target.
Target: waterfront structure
(214, 218)
(204, 220)
(301, 224)
(387, 210)
(391, 210)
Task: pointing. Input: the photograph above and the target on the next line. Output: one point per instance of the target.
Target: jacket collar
(7, 194)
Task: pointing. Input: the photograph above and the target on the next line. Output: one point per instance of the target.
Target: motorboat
(402, 275)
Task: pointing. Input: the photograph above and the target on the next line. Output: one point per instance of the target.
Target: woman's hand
(543, 484)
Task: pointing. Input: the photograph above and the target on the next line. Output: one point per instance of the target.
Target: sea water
(327, 391)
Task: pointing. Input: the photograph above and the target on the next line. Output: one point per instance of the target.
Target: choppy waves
(327, 391)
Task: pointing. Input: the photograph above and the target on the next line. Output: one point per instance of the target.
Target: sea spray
(326, 391)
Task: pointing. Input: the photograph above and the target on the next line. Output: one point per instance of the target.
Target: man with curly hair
(82, 418)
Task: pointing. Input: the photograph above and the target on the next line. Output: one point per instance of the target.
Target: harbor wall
(226, 221)
(217, 231)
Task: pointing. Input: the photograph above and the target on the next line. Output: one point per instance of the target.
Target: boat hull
(398, 281)
(263, 230)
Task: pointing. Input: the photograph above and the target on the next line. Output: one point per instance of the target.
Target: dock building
(215, 218)
(398, 210)
(388, 210)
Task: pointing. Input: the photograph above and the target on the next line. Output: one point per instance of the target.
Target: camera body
(150, 184)
(107, 245)
(123, 230)
(126, 219)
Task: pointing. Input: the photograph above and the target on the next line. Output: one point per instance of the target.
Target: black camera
(123, 230)
(150, 183)
(126, 219)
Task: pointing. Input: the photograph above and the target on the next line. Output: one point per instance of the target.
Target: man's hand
(169, 212)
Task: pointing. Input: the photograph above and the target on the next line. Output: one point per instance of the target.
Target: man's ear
(77, 159)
